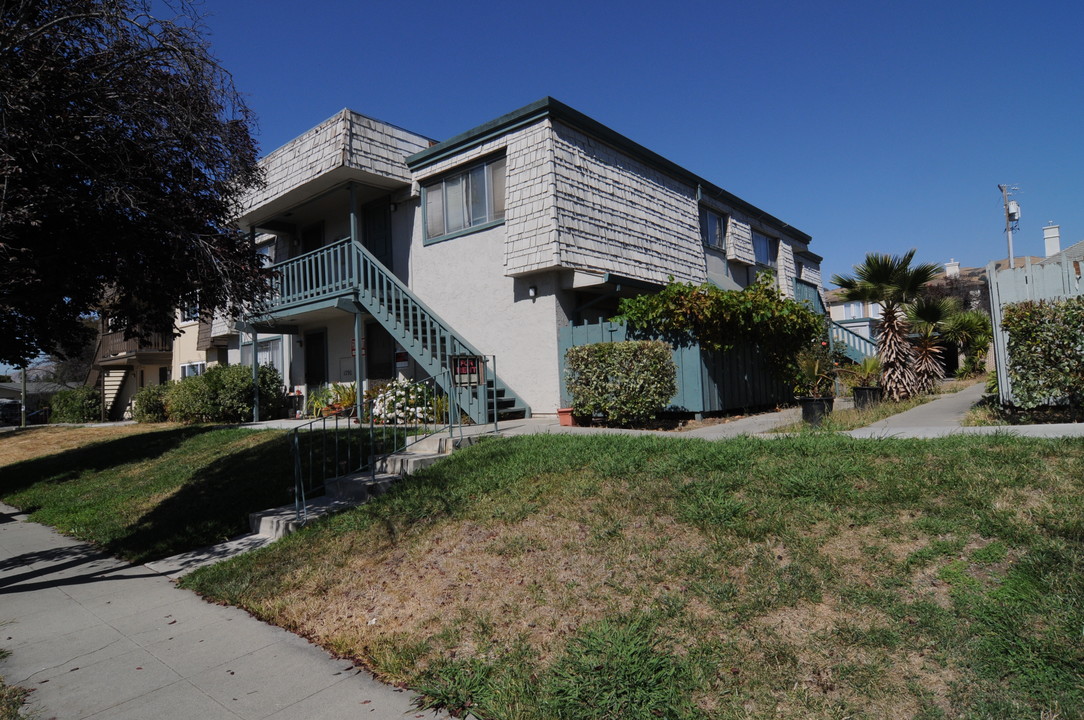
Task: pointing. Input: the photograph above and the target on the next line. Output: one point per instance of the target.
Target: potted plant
(815, 387)
(866, 388)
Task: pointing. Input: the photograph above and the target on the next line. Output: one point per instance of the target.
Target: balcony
(113, 350)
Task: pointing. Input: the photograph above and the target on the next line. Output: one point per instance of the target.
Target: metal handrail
(317, 459)
(338, 444)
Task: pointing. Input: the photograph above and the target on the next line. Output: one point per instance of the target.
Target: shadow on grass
(70, 464)
(214, 505)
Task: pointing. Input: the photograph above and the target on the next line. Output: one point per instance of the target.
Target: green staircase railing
(854, 345)
(346, 269)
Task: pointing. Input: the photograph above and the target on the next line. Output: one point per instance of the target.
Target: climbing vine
(717, 319)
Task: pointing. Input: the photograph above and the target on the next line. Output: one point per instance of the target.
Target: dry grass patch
(815, 576)
(36, 442)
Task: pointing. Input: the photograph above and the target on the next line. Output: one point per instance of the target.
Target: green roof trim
(551, 108)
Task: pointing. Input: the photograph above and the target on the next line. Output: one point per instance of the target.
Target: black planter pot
(814, 409)
(866, 396)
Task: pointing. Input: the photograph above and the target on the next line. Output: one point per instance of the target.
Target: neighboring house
(202, 343)
(38, 395)
(859, 316)
(122, 367)
(394, 253)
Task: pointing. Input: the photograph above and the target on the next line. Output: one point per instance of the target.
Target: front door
(376, 230)
(315, 358)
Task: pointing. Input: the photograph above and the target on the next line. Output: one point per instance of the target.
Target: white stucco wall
(463, 280)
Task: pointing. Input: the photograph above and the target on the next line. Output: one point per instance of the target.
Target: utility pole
(1012, 215)
(23, 409)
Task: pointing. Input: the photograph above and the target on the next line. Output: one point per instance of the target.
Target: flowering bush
(403, 402)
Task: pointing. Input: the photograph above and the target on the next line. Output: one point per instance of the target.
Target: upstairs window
(465, 200)
(190, 313)
(765, 250)
(713, 229)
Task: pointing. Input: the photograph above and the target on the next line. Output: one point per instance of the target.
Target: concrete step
(406, 463)
(180, 565)
(359, 487)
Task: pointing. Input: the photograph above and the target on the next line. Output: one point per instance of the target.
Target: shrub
(190, 400)
(403, 401)
(624, 382)
(1046, 352)
(231, 386)
(78, 405)
(150, 404)
(224, 394)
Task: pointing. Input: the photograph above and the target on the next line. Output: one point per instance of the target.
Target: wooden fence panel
(707, 382)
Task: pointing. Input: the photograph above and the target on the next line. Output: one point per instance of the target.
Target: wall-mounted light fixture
(532, 292)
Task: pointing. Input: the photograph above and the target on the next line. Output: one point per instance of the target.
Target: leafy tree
(124, 153)
(891, 281)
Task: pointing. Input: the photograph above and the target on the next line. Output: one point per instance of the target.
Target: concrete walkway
(95, 637)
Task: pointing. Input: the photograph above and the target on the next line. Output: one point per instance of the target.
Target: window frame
(773, 242)
(464, 178)
(200, 368)
(722, 226)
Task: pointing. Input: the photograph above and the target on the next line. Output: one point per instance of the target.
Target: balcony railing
(113, 344)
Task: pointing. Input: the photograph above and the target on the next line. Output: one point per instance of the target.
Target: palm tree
(928, 317)
(891, 281)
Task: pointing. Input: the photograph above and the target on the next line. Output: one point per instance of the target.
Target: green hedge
(623, 382)
(78, 405)
(1046, 352)
(150, 404)
(222, 394)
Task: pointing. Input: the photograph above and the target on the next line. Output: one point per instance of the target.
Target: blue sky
(870, 126)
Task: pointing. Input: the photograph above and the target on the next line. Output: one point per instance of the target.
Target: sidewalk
(95, 637)
(944, 415)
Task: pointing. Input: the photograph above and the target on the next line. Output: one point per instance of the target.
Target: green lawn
(150, 493)
(639, 577)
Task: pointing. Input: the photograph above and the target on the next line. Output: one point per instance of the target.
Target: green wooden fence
(707, 382)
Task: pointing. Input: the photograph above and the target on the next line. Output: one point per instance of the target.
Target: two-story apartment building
(394, 252)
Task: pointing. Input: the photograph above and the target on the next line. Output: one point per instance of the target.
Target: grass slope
(643, 577)
(148, 493)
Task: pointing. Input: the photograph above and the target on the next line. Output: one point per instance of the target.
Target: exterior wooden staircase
(347, 271)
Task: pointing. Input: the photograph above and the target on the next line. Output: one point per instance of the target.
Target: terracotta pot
(564, 417)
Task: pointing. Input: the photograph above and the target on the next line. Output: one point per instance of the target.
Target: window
(465, 200)
(853, 310)
(269, 353)
(713, 228)
(265, 255)
(191, 369)
(190, 313)
(765, 249)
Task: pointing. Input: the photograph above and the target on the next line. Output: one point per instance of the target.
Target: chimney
(1052, 238)
(952, 268)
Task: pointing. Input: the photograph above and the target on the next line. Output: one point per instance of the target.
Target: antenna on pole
(1012, 216)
